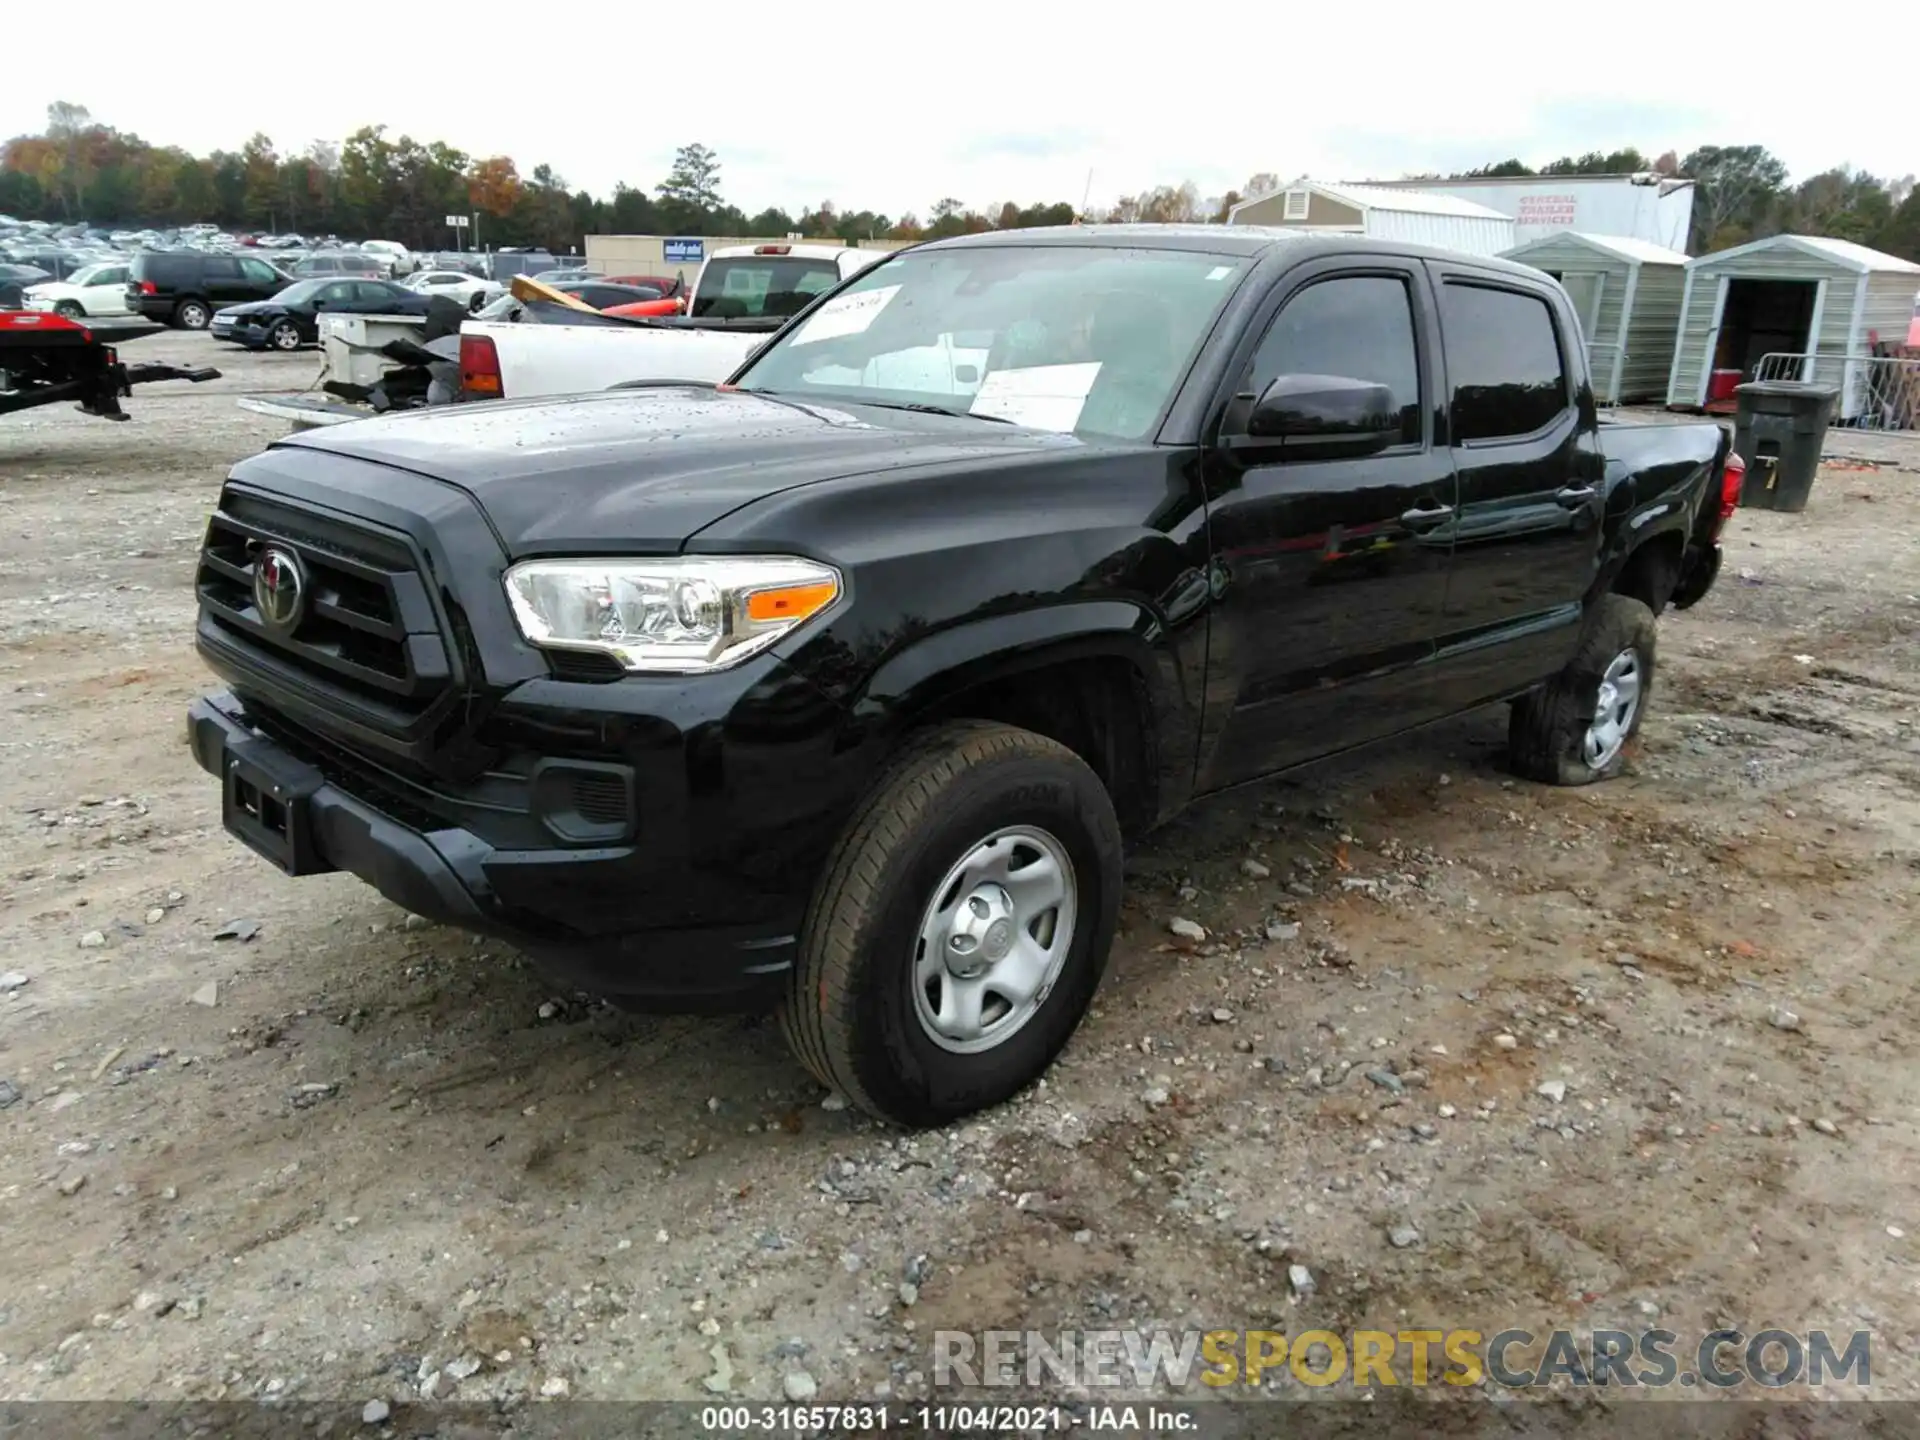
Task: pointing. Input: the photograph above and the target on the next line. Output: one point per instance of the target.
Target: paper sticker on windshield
(845, 315)
(1219, 272)
(1045, 397)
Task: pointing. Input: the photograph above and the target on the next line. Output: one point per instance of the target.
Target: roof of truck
(1234, 240)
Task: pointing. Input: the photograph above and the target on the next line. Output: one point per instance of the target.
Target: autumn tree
(493, 185)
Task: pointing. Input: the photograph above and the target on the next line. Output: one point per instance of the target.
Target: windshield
(735, 287)
(1079, 339)
(299, 291)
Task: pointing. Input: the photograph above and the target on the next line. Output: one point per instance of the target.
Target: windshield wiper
(920, 407)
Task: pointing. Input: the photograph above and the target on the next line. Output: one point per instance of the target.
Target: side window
(258, 271)
(376, 292)
(1503, 356)
(220, 267)
(1356, 326)
(337, 295)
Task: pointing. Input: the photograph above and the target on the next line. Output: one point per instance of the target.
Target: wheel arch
(1086, 673)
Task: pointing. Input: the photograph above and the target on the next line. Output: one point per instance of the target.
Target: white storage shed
(1408, 215)
(1627, 294)
(1790, 307)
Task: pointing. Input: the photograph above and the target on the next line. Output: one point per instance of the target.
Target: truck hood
(640, 471)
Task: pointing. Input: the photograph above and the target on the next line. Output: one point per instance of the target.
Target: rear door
(225, 285)
(1524, 446)
(1330, 574)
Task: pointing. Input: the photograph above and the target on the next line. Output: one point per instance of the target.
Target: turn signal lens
(790, 602)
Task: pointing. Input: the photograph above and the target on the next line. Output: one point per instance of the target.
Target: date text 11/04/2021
(942, 1419)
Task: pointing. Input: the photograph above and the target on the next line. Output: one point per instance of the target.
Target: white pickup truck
(743, 295)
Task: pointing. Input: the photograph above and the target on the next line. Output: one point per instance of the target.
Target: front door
(1330, 574)
(1527, 543)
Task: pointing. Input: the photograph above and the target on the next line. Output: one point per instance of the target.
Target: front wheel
(1576, 729)
(284, 336)
(960, 927)
(69, 310)
(477, 302)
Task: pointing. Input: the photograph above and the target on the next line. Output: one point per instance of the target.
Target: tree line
(376, 185)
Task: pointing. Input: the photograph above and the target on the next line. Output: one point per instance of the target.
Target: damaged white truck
(541, 342)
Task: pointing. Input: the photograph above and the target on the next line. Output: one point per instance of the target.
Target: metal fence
(1877, 392)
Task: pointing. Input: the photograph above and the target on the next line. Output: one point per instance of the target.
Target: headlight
(680, 615)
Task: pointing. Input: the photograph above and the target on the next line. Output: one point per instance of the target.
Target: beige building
(1442, 220)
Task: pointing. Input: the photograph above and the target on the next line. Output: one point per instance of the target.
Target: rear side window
(219, 267)
(164, 269)
(753, 285)
(1359, 327)
(1503, 357)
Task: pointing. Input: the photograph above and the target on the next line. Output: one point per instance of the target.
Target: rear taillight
(147, 287)
(1731, 479)
(480, 369)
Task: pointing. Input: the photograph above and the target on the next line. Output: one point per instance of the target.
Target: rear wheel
(1576, 729)
(284, 336)
(960, 927)
(192, 314)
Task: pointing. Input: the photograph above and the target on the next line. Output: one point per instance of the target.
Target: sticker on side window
(845, 315)
(1044, 397)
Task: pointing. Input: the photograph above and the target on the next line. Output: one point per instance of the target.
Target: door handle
(1574, 496)
(1425, 517)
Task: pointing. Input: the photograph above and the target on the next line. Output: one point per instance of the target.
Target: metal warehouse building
(1627, 293)
(1655, 208)
(1817, 305)
(1406, 215)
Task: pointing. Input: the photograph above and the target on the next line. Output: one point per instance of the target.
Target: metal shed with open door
(1627, 294)
(1790, 307)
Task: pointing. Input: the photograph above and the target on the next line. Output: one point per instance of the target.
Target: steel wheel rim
(1614, 709)
(994, 939)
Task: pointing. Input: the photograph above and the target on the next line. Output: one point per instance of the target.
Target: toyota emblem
(279, 588)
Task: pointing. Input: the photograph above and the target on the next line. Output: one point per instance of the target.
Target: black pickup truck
(837, 687)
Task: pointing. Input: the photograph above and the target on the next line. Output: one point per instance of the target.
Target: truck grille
(365, 628)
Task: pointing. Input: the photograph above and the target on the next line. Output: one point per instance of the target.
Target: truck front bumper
(303, 816)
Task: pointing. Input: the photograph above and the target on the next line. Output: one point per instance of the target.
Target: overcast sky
(989, 100)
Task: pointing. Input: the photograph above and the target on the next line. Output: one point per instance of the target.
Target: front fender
(939, 666)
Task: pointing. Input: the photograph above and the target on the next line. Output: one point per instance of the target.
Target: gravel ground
(1470, 1052)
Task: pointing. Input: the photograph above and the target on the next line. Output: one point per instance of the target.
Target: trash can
(1778, 428)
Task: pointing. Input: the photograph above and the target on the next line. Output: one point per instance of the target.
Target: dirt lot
(1472, 1052)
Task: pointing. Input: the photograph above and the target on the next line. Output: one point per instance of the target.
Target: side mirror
(1321, 417)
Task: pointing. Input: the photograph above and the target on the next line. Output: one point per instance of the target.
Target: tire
(850, 1013)
(192, 314)
(70, 310)
(477, 302)
(284, 335)
(1555, 735)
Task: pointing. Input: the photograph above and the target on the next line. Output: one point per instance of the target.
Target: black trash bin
(1778, 429)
